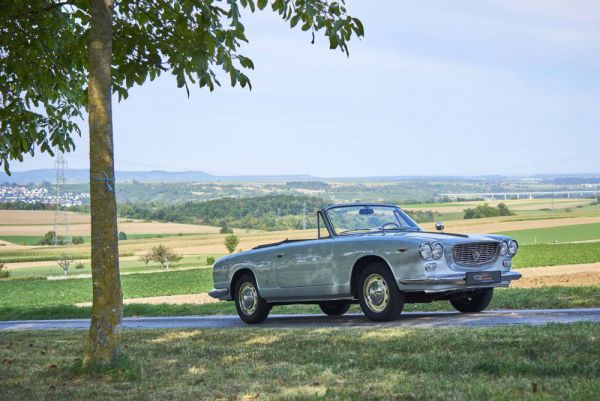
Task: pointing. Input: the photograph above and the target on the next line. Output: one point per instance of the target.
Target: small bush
(225, 229)
(4, 273)
(146, 258)
(161, 254)
(79, 266)
(64, 261)
(122, 236)
(231, 242)
(78, 240)
(49, 239)
(210, 260)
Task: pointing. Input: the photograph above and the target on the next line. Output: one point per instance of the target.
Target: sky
(434, 88)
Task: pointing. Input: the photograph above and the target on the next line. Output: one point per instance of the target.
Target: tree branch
(49, 7)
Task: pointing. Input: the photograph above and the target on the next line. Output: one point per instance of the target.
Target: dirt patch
(128, 227)
(194, 299)
(563, 276)
(26, 217)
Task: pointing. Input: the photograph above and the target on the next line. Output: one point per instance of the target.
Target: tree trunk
(104, 338)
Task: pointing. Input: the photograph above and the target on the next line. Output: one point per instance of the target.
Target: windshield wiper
(402, 229)
(358, 230)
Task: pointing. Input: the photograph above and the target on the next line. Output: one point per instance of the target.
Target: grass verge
(510, 298)
(554, 362)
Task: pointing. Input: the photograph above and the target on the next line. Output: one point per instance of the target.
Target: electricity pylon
(62, 233)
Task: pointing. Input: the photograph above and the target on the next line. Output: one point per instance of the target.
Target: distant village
(28, 194)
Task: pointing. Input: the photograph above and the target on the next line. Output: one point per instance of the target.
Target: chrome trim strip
(453, 279)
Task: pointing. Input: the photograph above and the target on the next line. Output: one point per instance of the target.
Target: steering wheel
(391, 223)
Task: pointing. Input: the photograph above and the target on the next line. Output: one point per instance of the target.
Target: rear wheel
(250, 306)
(378, 294)
(334, 308)
(472, 302)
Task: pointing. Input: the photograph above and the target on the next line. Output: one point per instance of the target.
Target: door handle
(280, 255)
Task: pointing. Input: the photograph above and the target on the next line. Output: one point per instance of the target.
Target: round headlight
(513, 247)
(437, 250)
(503, 248)
(425, 250)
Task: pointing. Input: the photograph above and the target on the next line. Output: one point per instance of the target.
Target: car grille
(475, 253)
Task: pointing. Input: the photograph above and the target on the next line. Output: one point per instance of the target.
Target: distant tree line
(486, 210)
(25, 206)
(270, 212)
(312, 185)
(422, 216)
(20, 205)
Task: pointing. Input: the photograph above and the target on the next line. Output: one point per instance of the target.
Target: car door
(304, 264)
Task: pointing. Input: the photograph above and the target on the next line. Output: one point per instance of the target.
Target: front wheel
(250, 306)
(334, 308)
(472, 302)
(379, 296)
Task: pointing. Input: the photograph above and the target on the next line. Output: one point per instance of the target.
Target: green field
(126, 265)
(553, 255)
(579, 232)
(554, 362)
(69, 292)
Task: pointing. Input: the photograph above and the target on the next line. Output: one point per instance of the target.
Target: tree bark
(104, 338)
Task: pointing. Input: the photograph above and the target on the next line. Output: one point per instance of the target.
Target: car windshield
(366, 218)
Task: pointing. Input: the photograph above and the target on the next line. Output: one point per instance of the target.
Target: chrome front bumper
(454, 279)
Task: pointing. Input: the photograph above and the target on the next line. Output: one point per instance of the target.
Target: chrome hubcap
(248, 298)
(376, 292)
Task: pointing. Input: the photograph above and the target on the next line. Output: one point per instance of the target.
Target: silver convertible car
(370, 254)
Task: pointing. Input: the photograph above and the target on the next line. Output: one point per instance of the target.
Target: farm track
(562, 276)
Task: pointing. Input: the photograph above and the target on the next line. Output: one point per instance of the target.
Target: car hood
(447, 238)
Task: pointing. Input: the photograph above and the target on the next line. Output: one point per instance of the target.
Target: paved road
(409, 319)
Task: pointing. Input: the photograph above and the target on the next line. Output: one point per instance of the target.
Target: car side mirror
(439, 226)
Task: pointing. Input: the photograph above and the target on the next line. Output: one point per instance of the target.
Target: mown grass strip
(553, 362)
(511, 298)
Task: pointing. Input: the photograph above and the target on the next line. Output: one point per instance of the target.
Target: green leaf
(261, 4)
(333, 41)
(359, 28)
(294, 20)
